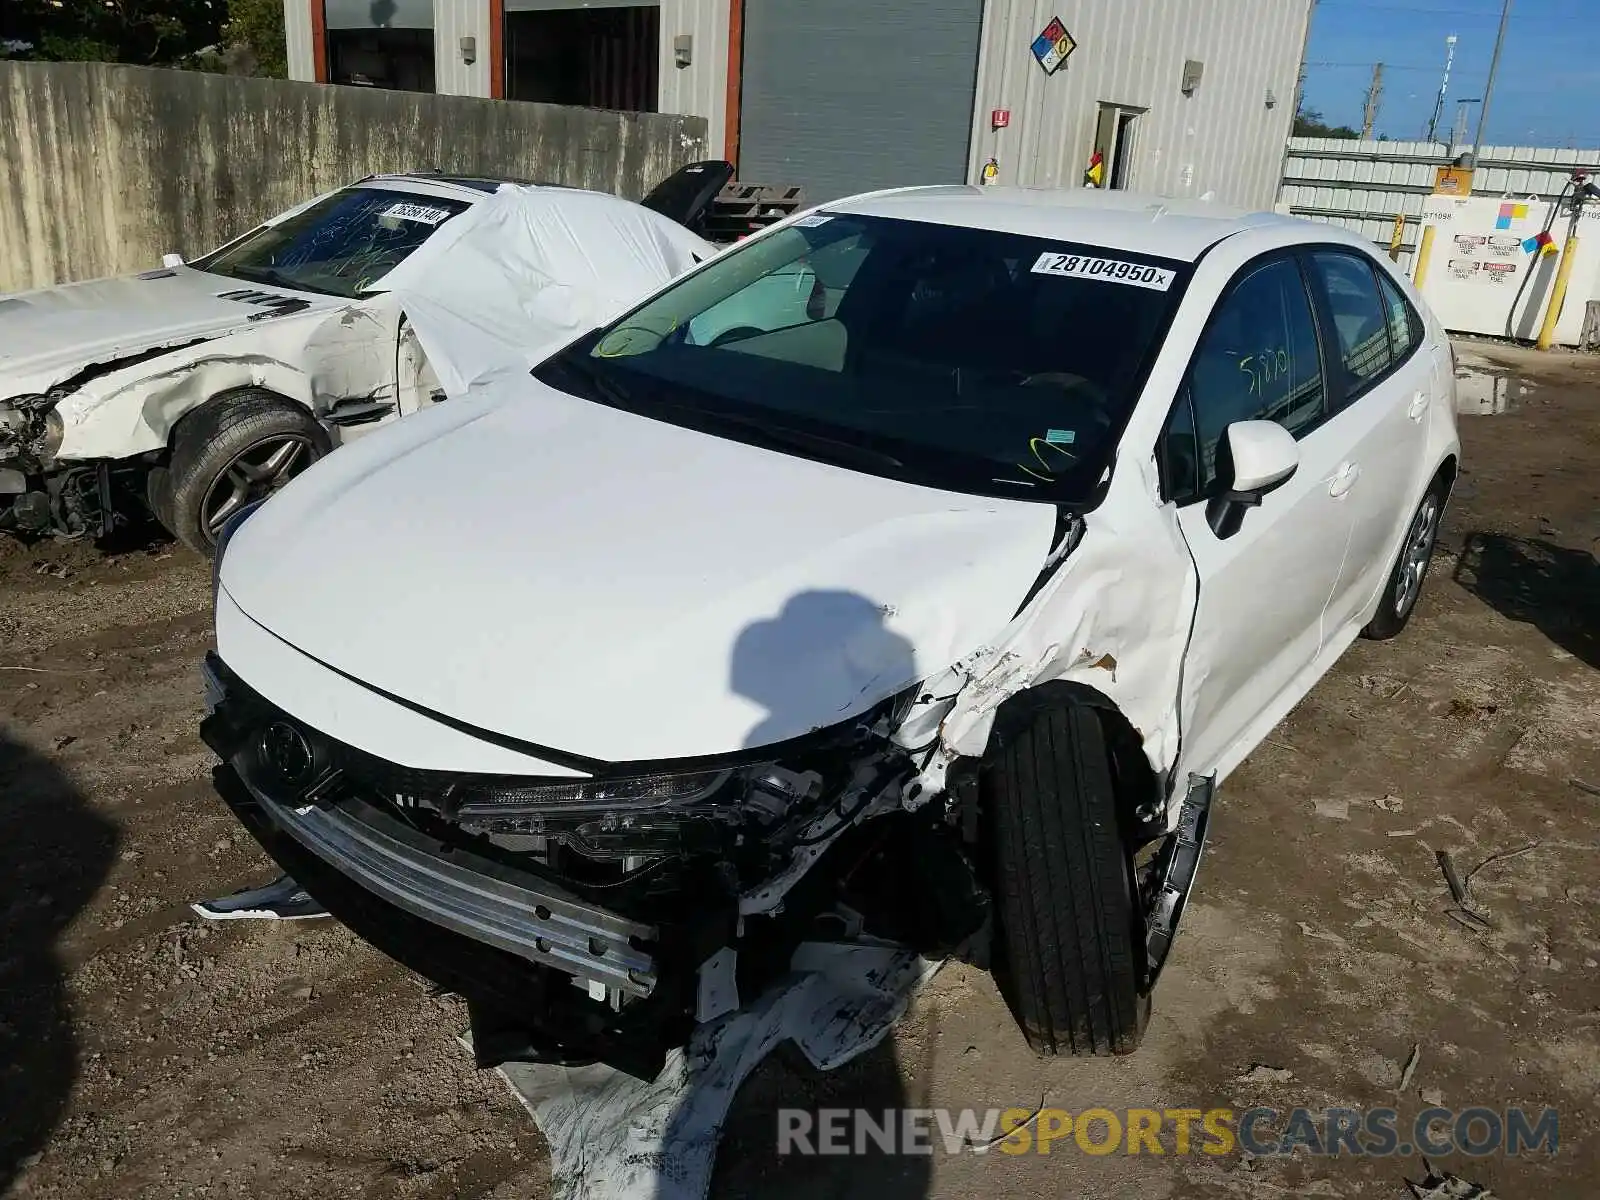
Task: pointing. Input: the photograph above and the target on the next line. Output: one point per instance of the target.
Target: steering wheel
(736, 334)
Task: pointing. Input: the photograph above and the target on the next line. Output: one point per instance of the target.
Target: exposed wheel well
(211, 402)
(1140, 796)
(1446, 474)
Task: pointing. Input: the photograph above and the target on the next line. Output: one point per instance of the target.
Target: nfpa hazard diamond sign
(1053, 46)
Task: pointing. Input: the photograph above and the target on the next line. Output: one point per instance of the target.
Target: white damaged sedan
(197, 388)
(921, 565)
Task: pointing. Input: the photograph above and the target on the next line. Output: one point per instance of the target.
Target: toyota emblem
(287, 752)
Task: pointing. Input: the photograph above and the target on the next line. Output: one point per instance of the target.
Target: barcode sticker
(812, 219)
(420, 213)
(1110, 270)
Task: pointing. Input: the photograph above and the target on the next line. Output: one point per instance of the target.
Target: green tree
(1308, 122)
(146, 32)
(255, 39)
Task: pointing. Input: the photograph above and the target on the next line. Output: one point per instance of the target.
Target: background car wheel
(1410, 569)
(234, 449)
(1069, 950)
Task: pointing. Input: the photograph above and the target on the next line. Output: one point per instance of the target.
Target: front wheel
(1070, 956)
(1404, 588)
(230, 452)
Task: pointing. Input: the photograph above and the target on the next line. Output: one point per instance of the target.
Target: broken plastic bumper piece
(298, 788)
(471, 896)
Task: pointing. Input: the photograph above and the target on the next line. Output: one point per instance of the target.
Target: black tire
(1407, 576)
(1069, 950)
(230, 442)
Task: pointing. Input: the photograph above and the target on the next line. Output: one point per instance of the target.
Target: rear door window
(1360, 320)
(1405, 327)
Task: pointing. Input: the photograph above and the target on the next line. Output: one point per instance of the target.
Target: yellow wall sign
(1452, 181)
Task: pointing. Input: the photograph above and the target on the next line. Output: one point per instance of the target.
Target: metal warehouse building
(1181, 97)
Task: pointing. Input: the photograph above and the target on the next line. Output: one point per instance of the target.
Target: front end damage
(602, 915)
(40, 494)
(600, 918)
(79, 437)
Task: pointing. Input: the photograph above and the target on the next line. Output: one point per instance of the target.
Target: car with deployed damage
(191, 390)
(922, 565)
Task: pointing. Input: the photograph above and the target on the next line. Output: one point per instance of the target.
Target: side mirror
(1264, 456)
(172, 260)
(1260, 456)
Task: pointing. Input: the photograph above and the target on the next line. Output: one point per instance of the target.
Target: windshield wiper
(786, 436)
(277, 279)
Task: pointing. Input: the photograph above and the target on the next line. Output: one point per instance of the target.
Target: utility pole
(1488, 90)
(1438, 105)
(1458, 137)
(1300, 79)
(1374, 94)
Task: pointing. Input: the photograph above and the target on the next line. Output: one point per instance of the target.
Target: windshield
(340, 245)
(966, 359)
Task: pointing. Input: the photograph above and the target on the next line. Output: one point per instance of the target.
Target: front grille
(405, 787)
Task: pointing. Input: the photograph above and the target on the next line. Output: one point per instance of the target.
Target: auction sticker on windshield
(1111, 270)
(417, 212)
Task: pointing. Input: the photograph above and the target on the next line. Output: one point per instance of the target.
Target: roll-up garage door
(843, 96)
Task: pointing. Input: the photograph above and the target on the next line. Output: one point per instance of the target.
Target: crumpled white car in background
(923, 560)
(199, 387)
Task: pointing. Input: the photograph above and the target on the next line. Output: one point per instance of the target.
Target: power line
(1411, 8)
(1366, 66)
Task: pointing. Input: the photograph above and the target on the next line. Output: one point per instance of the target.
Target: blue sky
(1547, 92)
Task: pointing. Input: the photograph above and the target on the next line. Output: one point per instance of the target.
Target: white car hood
(49, 335)
(608, 586)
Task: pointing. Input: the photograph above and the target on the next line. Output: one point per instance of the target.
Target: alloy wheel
(254, 474)
(1416, 555)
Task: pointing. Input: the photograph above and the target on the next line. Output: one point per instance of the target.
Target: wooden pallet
(744, 208)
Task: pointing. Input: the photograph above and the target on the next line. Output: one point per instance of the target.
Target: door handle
(1343, 479)
(1419, 405)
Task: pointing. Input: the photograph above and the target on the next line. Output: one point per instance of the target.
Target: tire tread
(1066, 960)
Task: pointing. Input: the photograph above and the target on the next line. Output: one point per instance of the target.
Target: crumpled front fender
(132, 412)
(1114, 615)
(324, 354)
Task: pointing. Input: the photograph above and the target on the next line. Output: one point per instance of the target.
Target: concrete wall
(105, 168)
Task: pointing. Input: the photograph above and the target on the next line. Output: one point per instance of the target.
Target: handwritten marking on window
(1265, 368)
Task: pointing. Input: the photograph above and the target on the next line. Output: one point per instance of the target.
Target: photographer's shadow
(54, 853)
(809, 666)
(1555, 589)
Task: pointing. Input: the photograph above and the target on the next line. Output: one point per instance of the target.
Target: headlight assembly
(55, 432)
(642, 792)
(639, 815)
(763, 788)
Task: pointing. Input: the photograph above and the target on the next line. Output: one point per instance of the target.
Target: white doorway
(1116, 139)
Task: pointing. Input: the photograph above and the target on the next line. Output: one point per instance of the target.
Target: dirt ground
(145, 1054)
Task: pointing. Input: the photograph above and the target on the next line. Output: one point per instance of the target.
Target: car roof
(470, 188)
(1119, 220)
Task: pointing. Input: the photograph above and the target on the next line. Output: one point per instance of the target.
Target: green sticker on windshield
(1060, 437)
